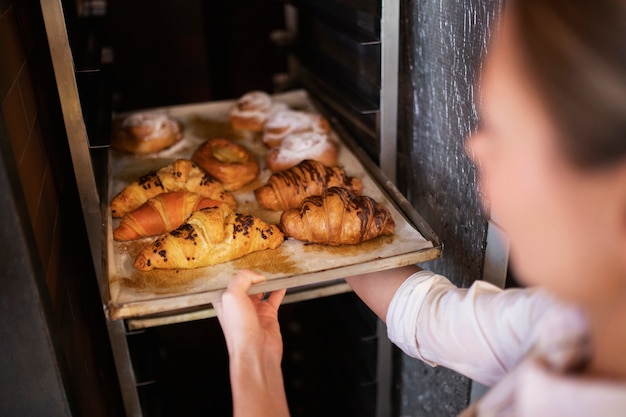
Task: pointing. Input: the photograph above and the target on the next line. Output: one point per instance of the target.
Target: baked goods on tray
(281, 124)
(189, 207)
(145, 133)
(337, 217)
(252, 110)
(230, 163)
(182, 175)
(160, 214)
(286, 189)
(297, 147)
(209, 237)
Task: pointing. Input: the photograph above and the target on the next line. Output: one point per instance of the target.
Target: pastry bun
(280, 124)
(145, 133)
(297, 147)
(230, 163)
(251, 111)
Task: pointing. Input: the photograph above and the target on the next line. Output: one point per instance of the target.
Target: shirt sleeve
(481, 332)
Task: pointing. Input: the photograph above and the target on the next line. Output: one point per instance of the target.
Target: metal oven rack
(366, 104)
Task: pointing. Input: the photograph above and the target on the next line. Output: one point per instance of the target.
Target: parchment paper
(137, 293)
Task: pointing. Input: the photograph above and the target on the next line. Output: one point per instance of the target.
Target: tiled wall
(34, 129)
(19, 110)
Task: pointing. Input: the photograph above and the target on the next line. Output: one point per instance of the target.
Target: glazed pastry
(297, 147)
(209, 237)
(160, 214)
(230, 163)
(337, 217)
(145, 133)
(251, 111)
(283, 123)
(182, 175)
(286, 189)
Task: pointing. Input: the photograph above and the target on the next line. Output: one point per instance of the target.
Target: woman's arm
(480, 332)
(255, 348)
(376, 289)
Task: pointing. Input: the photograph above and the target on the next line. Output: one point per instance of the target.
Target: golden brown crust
(181, 175)
(337, 217)
(286, 189)
(228, 162)
(252, 124)
(145, 133)
(161, 214)
(209, 237)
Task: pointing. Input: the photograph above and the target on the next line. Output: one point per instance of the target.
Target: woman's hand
(255, 347)
(249, 322)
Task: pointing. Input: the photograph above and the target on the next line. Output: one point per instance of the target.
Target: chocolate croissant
(182, 175)
(286, 189)
(160, 214)
(210, 236)
(337, 217)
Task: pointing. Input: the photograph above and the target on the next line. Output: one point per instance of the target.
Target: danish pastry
(228, 162)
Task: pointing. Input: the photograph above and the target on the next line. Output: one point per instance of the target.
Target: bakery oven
(191, 61)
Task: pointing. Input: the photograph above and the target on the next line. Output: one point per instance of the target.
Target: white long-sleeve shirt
(521, 342)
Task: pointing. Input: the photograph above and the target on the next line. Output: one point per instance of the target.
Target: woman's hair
(574, 51)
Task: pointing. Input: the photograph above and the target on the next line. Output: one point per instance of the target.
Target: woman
(551, 152)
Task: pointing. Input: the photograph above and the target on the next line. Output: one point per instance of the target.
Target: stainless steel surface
(326, 290)
(388, 122)
(124, 366)
(496, 255)
(63, 64)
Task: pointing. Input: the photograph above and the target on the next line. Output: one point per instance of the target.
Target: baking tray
(294, 264)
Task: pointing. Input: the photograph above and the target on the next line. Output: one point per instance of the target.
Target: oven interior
(137, 55)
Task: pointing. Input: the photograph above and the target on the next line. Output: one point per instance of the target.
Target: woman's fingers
(238, 289)
(276, 297)
(243, 280)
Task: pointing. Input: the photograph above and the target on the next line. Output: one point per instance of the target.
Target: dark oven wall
(169, 53)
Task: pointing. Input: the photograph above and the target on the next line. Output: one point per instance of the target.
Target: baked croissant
(209, 237)
(160, 214)
(286, 189)
(337, 217)
(182, 175)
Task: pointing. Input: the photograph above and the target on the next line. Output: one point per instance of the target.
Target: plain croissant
(337, 217)
(210, 236)
(286, 189)
(182, 175)
(160, 214)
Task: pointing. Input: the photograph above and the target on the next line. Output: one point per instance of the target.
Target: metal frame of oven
(83, 164)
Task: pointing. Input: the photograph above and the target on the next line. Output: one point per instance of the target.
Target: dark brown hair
(574, 51)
